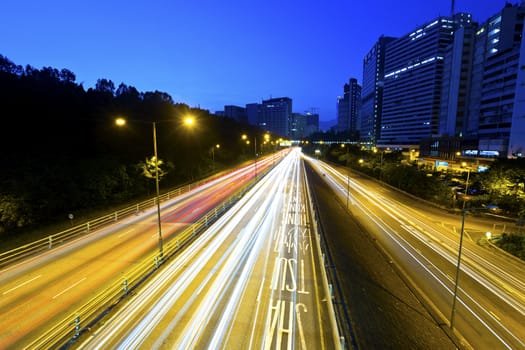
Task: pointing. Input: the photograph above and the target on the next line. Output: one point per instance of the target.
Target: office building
(457, 72)
(236, 113)
(413, 82)
(348, 107)
(495, 111)
(312, 122)
(275, 116)
(253, 110)
(372, 92)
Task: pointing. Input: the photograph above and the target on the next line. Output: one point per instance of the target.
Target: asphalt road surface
(253, 280)
(421, 243)
(384, 312)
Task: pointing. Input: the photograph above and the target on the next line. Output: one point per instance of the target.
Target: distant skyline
(214, 53)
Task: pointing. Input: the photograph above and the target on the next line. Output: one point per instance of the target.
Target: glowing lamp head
(120, 121)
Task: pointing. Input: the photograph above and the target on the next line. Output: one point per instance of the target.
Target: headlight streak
(268, 256)
(390, 231)
(486, 267)
(297, 222)
(255, 234)
(262, 232)
(293, 209)
(499, 288)
(213, 237)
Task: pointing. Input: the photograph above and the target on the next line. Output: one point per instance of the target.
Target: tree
(149, 168)
(14, 213)
(105, 86)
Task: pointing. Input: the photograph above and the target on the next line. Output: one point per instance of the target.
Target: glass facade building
(372, 92)
(348, 107)
(413, 81)
(494, 114)
(276, 115)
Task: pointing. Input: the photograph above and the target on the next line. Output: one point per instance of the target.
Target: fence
(66, 332)
(55, 240)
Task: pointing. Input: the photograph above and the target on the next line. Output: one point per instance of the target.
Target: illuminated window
(494, 31)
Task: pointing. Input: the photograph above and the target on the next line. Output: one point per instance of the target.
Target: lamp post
(245, 137)
(463, 164)
(157, 189)
(213, 154)
(189, 121)
(452, 313)
(347, 175)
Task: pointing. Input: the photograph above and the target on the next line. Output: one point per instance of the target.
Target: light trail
(72, 272)
(503, 286)
(198, 300)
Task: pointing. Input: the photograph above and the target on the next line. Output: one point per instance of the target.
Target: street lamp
(213, 154)
(245, 137)
(452, 314)
(464, 164)
(347, 174)
(188, 121)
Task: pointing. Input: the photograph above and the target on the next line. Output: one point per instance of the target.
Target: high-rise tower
(275, 115)
(348, 107)
(413, 82)
(372, 91)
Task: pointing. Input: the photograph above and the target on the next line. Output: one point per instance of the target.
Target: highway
(252, 280)
(423, 243)
(42, 290)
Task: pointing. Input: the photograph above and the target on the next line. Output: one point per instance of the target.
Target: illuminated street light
(213, 154)
(120, 121)
(464, 165)
(245, 137)
(452, 314)
(189, 121)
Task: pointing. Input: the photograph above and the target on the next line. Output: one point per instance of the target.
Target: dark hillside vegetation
(62, 152)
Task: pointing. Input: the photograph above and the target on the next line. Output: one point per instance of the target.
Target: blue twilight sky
(211, 53)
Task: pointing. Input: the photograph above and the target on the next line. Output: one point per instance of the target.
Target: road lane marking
(21, 285)
(125, 233)
(260, 290)
(493, 314)
(70, 287)
(300, 324)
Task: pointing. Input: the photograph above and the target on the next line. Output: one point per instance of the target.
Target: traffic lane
(206, 316)
(219, 312)
(437, 237)
(433, 270)
(33, 296)
(172, 212)
(444, 250)
(384, 311)
(65, 285)
(417, 266)
(285, 291)
(191, 266)
(435, 277)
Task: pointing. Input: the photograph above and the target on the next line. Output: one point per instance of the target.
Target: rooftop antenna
(452, 9)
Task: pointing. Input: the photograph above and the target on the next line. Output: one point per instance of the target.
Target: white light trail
(448, 251)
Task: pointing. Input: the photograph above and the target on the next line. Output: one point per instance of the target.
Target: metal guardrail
(55, 240)
(66, 332)
(330, 279)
